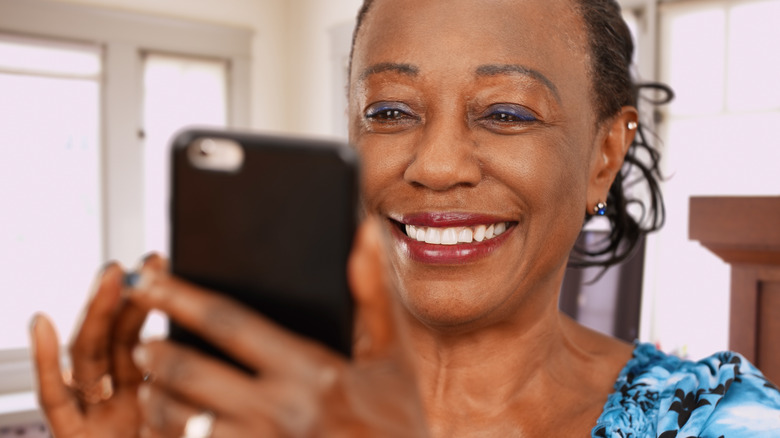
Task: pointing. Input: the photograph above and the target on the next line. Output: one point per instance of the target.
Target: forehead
(546, 35)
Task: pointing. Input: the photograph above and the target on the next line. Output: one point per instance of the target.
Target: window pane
(753, 63)
(57, 58)
(693, 47)
(178, 92)
(51, 234)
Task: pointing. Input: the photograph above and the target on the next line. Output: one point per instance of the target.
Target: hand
(301, 388)
(100, 399)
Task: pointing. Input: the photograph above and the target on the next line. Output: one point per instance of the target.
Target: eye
(509, 114)
(386, 114)
(389, 112)
(390, 117)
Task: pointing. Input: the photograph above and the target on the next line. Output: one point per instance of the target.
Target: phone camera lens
(207, 147)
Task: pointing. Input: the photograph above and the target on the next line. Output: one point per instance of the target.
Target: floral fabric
(662, 396)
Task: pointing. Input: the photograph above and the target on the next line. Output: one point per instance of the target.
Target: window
(178, 91)
(717, 139)
(73, 173)
(51, 239)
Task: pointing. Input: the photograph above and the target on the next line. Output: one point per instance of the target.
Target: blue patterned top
(662, 396)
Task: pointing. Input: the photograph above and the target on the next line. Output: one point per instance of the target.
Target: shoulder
(658, 395)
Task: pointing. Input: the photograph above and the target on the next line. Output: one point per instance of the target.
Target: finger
(200, 380)
(162, 414)
(166, 416)
(292, 407)
(90, 349)
(376, 328)
(194, 377)
(237, 330)
(126, 335)
(57, 402)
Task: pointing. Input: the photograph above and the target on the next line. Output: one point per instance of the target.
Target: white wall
(311, 24)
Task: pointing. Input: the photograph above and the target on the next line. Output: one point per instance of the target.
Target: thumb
(376, 331)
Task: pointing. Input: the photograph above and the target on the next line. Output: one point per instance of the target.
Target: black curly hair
(612, 48)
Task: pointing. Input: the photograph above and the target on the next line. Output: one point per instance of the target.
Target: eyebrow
(482, 70)
(512, 69)
(405, 69)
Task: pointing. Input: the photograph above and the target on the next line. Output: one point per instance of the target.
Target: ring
(93, 392)
(199, 426)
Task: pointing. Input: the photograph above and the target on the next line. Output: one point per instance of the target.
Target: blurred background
(92, 90)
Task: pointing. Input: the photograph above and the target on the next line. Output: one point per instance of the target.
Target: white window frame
(124, 37)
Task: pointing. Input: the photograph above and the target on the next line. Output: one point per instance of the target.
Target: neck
(511, 372)
(490, 365)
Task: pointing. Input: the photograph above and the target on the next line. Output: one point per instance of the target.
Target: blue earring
(600, 209)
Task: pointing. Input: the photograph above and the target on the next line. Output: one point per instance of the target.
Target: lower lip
(448, 254)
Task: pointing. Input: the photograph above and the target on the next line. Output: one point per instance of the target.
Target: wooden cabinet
(745, 233)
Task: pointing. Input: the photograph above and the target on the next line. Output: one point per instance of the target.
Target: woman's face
(471, 117)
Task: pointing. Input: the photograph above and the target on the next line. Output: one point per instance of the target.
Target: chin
(450, 307)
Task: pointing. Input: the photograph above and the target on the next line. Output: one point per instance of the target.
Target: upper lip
(448, 219)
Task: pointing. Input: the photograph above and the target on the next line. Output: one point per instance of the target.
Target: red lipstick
(460, 253)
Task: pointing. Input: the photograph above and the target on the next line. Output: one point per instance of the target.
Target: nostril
(443, 168)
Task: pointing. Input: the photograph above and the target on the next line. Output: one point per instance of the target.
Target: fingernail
(138, 280)
(132, 279)
(139, 283)
(147, 257)
(140, 356)
(106, 267)
(34, 322)
(130, 283)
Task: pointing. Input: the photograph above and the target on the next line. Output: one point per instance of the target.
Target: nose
(444, 158)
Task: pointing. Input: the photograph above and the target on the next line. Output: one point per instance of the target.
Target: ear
(612, 142)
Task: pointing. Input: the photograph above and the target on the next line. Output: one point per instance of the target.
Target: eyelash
(503, 117)
(509, 114)
(389, 113)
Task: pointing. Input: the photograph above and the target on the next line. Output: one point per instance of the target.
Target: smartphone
(268, 221)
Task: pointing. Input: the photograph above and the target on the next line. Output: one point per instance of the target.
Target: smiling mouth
(450, 238)
(454, 235)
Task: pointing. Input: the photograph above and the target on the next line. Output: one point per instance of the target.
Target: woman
(487, 131)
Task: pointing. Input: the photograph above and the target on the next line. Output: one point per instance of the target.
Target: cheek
(544, 172)
(547, 177)
(383, 161)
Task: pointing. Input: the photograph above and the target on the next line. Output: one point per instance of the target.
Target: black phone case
(274, 235)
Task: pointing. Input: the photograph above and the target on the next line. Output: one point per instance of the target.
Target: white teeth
(449, 236)
(433, 235)
(455, 235)
(479, 233)
(466, 235)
